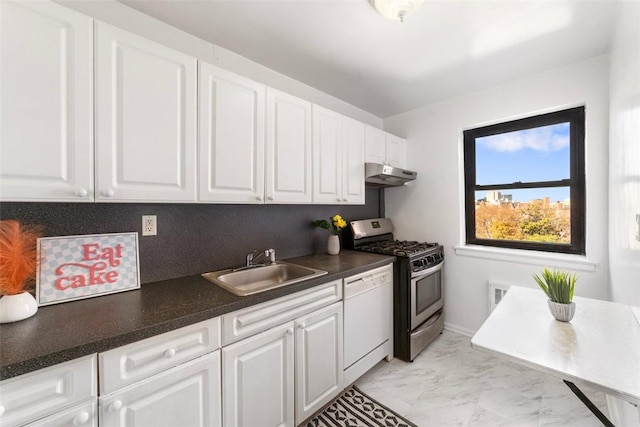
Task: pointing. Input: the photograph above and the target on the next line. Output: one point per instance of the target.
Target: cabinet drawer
(251, 320)
(84, 414)
(186, 395)
(133, 362)
(38, 394)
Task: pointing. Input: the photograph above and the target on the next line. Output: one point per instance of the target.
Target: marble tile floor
(451, 384)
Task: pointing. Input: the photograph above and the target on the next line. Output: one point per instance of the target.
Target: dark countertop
(66, 331)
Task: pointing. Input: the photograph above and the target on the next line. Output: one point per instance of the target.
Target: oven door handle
(427, 271)
(425, 326)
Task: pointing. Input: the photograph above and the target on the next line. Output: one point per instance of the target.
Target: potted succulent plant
(559, 286)
(18, 261)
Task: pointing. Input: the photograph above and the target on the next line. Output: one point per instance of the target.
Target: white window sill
(547, 259)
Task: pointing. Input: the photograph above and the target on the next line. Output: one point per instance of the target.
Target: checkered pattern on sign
(67, 253)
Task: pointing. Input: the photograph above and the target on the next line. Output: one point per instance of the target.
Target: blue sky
(538, 154)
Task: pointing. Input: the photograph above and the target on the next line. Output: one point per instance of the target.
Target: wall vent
(497, 291)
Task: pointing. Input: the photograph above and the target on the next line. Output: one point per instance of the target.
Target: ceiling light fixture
(396, 9)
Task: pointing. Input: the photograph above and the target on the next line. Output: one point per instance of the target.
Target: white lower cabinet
(187, 395)
(319, 367)
(284, 358)
(84, 414)
(261, 381)
(49, 392)
(257, 377)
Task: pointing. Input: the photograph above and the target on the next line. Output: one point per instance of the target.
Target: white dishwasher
(368, 319)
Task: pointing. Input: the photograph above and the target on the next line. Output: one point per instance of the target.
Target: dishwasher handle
(365, 284)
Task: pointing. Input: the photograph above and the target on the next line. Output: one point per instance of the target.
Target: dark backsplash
(196, 238)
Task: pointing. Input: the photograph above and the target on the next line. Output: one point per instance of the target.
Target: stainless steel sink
(247, 281)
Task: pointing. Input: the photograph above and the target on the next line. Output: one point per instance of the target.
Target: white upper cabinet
(231, 137)
(352, 161)
(327, 156)
(385, 148)
(46, 111)
(145, 119)
(396, 151)
(288, 174)
(375, 145)
(338, 158)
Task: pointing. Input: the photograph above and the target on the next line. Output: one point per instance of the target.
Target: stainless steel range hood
(379, 175)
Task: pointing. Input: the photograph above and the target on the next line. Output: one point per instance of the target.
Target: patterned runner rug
(355, 409)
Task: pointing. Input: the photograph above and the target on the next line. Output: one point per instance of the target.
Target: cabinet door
(288, 176)
(327, 156)
(133, 362)
(396, 148)
(257, 380)
(46, 136)
(85, 414)
(352, 161)
(145, 119)
(319, 367)
(187, 395)
(35, 395)
(375, 145)
(231, 138)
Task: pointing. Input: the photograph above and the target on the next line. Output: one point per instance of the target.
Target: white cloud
(544, 139)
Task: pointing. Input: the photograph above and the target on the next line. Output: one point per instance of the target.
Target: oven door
(426, 294)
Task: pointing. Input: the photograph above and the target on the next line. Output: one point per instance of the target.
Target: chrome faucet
(252, 257)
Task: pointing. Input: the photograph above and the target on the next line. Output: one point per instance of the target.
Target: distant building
(497, 198)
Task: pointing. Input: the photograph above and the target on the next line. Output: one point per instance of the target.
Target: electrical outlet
(149, 225)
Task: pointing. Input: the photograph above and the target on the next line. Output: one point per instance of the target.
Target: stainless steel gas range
(417, 287)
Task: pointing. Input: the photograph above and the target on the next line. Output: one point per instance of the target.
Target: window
(524, 183)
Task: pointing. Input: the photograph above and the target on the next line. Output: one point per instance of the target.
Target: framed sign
(77, 267)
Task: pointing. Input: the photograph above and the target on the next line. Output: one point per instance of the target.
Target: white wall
(433, 208)
(624, 158)
(129, 19)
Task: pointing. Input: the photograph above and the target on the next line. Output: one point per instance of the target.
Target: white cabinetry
(288, 174)
(167, 380)
(84, 414)
(385, 148)
(396, 151)
(327, 156)
(375, 145)
(338, 152)
(187, 395)
(319, 367)
(46, 136)
(145, 119)
(66, 391)
(352, 161)
(231, 137)
(257, 379)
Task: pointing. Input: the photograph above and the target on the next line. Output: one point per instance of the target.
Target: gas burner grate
(398, 247)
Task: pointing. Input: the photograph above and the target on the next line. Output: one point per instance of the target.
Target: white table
(599, 347)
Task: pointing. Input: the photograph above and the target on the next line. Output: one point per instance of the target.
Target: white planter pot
(333, 244)
(17, 307)
(562, 312)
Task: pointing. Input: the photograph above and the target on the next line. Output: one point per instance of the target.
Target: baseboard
(622, 413)
(459, 329)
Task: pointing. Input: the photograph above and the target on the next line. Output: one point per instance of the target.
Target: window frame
(576, 181)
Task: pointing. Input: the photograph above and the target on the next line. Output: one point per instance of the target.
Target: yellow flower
(338, 222)
(335, 223)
